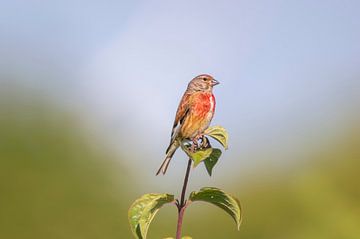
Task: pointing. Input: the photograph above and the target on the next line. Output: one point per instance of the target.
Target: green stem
(182, 205)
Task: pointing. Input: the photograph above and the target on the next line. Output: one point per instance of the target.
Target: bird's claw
(193, 147)
(204, 142)
(196, 145)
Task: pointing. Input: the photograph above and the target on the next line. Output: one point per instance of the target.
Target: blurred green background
(55, 183)
(87, 96)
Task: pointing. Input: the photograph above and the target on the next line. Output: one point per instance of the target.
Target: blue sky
(289, 70)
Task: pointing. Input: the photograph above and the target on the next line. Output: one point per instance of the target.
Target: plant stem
(186, 179)
(182, 205)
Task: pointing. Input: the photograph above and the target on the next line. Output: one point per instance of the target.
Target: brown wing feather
(181, 112)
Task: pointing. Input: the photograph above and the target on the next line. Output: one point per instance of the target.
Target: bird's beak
(214, 82)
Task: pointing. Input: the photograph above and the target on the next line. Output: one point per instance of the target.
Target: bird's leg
(204, 141)
(195, 143)
(194, 146)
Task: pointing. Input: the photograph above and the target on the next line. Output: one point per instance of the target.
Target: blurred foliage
(53, 182)
(320, 199)
(56, 183)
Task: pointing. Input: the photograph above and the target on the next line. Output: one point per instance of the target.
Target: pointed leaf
(221, 199)
(218, 133)
(143, 210)
(200, 155)
(212, 160)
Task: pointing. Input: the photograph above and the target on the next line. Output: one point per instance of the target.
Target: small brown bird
(193, 116)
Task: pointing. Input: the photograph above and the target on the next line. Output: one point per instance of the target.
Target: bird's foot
(195, 143)
(204, 141)
(194, 146)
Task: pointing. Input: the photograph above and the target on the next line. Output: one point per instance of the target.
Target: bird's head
(202, 82)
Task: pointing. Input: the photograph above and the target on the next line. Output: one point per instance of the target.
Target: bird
(193, 116)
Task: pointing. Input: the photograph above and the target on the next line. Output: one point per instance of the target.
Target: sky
(288, 70)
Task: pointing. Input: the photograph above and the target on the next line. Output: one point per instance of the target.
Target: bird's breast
(204, 104)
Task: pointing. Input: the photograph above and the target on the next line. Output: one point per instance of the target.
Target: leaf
(200, 155)
(212, 160)
(143, 210)
(218, 133)
(221, 199)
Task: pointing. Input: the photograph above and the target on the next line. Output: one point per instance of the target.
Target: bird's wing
(181, 113)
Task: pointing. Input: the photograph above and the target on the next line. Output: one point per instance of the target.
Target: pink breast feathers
(205, 104)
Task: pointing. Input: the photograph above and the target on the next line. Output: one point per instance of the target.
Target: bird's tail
(169, 154)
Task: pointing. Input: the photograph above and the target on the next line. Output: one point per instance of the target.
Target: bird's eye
(204, 79)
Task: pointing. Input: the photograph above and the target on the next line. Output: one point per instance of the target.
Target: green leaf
(221, 199)
(143, 210)
(218, 133)
(200, 155)
(212, 160)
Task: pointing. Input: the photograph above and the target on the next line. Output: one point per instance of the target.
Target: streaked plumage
(193, 116)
